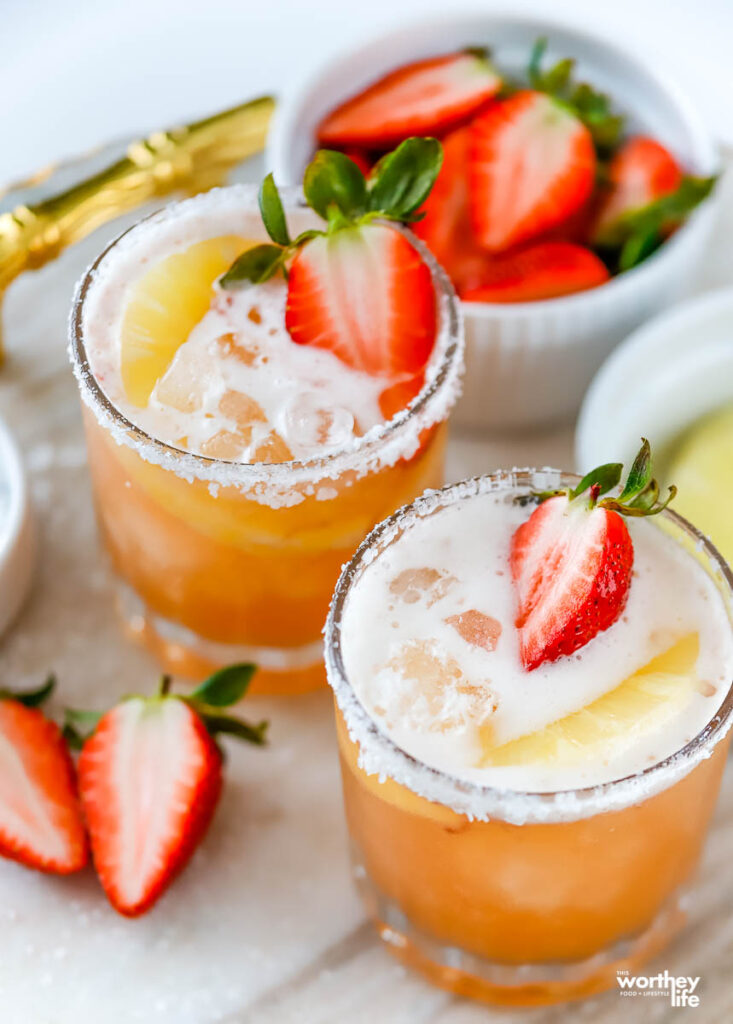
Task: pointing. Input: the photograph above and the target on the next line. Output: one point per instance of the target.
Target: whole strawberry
(360, 288)
(571, 561)
(150, 776)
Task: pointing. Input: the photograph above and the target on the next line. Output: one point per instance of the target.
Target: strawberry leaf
(31, 698)
(254, 266)
(641, 231)
(640, 474)
(79, 725)
(602, 478)
(273, 215)
(225, 687)
(332, 181)
(217, 724)
(402, 180)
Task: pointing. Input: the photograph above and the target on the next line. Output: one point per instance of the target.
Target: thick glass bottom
(507, 984)
(181, 652)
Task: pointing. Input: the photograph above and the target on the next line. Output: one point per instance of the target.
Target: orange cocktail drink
(520, 839)
(227, 518)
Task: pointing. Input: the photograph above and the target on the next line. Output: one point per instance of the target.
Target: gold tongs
(192, 158)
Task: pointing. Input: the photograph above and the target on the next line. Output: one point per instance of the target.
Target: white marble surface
(264, 926)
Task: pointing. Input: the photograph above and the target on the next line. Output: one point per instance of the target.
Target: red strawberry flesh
(543, 271)
(571, 568)
(531, 166)
(150, 778)
(424, 98)
(640, 172)
(365, 294)
(41, 823)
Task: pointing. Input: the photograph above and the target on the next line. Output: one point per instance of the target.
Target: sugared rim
(380, 755)
(383, 445)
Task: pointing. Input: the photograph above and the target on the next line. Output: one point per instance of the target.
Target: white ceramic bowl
(660, 381)
(17, 536)
(530, 363)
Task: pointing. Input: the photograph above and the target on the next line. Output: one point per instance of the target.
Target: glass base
(505, 984)
(182, 652)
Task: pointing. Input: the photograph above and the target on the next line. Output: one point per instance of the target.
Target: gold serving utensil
(192, 158)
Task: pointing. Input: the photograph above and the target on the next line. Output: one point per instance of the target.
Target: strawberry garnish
(360, 288)
(150, 776)
(542, 271)
(424, 98)
(571, 561)
(41, 823)
(531, 165)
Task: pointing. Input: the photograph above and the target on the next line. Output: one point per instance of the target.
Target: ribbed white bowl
(17, 539)
(530, 363)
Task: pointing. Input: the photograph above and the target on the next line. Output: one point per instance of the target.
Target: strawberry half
(41, 823)
(150, 777)
(424, 98)
(365, 294)
(531, 165)
(543, 271)
(641, 171)
(571, 561)
(359, 288)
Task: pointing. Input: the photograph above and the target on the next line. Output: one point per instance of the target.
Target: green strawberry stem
(639, 495)
(336, 189)
(225, 687)
(31, 698)
(591, 107)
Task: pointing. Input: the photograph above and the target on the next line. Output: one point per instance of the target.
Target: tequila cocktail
(527, 784)
(245, 434)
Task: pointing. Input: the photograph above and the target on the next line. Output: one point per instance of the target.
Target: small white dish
(660, 381)
(530, 363)
(17, 535)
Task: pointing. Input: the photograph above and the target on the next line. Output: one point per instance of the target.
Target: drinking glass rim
(430, 406)
(472, 799)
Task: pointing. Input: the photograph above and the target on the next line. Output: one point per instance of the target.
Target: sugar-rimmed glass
(222, 561)
(511, 897)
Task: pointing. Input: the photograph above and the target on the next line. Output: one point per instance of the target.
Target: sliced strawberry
(571, 567)
(399, 395)
(531, 165)
(542, 271)
(365, 294)
(41, 823)
(641, 171)
(424, 98)
(150, 778)
(446, 226)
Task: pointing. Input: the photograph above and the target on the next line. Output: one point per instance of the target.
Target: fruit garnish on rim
(571, 561)
(41, 823)
(150, 776)
(359, 288)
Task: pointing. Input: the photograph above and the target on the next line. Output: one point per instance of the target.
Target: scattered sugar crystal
(476, 628)
(413, 584)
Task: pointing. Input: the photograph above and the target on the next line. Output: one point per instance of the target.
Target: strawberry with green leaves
(571, 561)
(150, 776)
(427, 97)
(41, 823)
(647, 196)
(359, 288)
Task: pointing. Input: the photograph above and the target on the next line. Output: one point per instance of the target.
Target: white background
(75, 73)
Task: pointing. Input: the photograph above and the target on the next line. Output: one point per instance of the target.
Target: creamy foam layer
(398, 606)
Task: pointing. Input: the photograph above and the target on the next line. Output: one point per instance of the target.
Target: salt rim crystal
(274, 484)
(379, 755)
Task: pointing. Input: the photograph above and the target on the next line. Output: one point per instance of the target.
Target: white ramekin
(17, 535)
(660, 381)
(530, 363)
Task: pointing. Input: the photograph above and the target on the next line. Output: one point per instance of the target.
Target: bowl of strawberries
(575, 198)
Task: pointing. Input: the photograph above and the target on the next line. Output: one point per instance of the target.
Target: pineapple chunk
(643, 703)
(165, 306)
